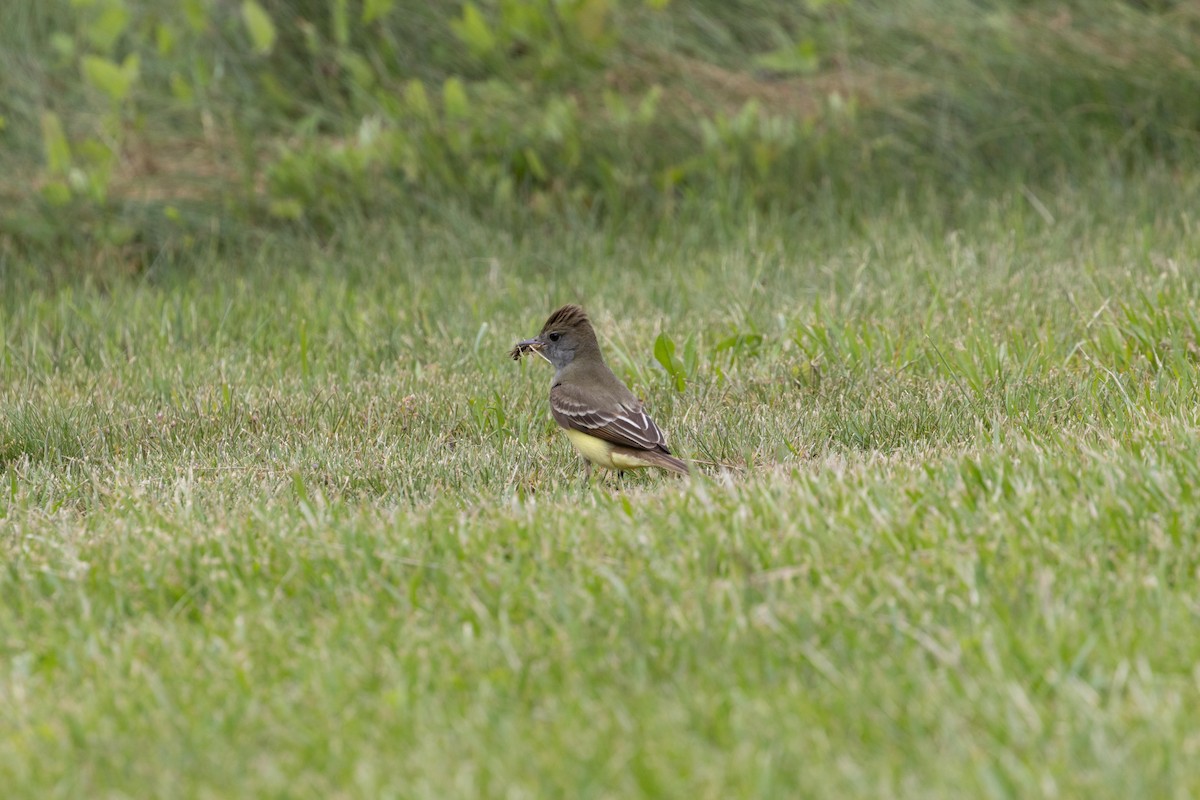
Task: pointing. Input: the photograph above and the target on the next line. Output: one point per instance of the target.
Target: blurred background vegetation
(134, 130)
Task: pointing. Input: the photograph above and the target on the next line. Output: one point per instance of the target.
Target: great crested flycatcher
(601, 417)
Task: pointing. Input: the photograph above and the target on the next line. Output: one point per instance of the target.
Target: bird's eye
(553, 337)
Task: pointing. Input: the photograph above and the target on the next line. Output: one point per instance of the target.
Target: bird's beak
(528, 346)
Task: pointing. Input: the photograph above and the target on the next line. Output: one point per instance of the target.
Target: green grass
(653, 111)
(285, 521)
(279, 518)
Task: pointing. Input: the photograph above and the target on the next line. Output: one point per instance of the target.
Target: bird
(602, 419)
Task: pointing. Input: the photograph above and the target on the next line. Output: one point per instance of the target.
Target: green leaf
(746, 344)
(648, 106)
(180, 88)
(107, 76)
(626, 505)
(56, 193)
(54, 141)
(591, 20)
(64, 45)
(259, 26)
(164, 39)
(800, 58)
(196, 14)
(416, 99)
(92, 152)
(536, 168)
(618, 109)
(104, 30)
(664, 353)
(288, 208)
(376, 9)
(341, 22)
(472, 30)
(359, 68)
(454, 99)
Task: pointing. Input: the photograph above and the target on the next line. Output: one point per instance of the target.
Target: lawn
(915, 283)
(288, 523)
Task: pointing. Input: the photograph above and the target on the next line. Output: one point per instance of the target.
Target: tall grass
(761, 104)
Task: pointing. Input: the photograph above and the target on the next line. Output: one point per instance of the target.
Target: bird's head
(566, 334)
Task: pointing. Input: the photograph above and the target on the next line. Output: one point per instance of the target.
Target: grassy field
(290, 524)
(279, 517)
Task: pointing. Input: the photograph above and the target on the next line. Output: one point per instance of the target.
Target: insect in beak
(528, 346)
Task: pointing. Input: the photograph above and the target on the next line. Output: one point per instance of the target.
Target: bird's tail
(634, 458)
(666, 461)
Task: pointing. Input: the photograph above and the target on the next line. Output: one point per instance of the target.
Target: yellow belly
(600, 452)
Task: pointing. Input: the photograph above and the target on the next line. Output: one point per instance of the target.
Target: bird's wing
(623, 423)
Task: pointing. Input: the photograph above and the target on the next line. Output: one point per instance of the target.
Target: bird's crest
(569, 316)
